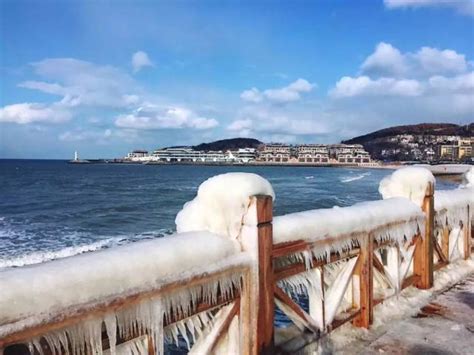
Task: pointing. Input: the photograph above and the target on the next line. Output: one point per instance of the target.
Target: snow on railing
(453, 223)
(340, 228)
(216, 286)
(128, 291)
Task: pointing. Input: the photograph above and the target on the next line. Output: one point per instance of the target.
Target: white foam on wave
(347, 179)
(43, 256)
(309, 177)
(38, 257)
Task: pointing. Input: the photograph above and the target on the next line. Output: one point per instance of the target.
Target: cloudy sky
(107, 77)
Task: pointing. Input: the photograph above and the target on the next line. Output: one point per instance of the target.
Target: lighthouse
(76, 156)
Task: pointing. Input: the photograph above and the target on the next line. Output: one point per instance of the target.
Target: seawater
(51, 209)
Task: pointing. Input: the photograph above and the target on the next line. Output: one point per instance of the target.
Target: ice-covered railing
(327, 255)
(215, 285)
(340, 228)
(159, 288)
(453, 221)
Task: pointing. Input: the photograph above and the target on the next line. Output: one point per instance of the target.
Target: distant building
(277, 153)
(183, 155)
(312, 153)
(138, 154)
(245, 155)
(447, 151)
(349, 154)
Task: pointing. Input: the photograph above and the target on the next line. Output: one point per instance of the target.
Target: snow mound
(221, 203)
(411, 182)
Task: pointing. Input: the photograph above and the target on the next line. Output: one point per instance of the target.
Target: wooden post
(467, 235)
(257, 297)
(265, 272)
(423, 257)
(364, 272)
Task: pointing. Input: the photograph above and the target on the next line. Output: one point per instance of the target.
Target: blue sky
(105, 77)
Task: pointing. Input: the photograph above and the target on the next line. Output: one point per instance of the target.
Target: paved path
(445, 326)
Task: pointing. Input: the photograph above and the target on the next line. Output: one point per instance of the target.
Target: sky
(106, 77)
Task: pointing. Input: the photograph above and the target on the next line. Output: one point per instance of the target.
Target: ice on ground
(221, 202)
(411, 182)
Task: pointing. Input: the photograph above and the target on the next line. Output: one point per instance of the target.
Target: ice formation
(451, 206)
(410, 182)
(36, 294)
(469, 178)
(221, 203)
(394, 219)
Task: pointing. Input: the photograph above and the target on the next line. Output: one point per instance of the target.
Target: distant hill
(434, 129)
(381, 144)
(229, 144)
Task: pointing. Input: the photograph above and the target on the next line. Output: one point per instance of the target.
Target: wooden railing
(345, 286)
(342, 287)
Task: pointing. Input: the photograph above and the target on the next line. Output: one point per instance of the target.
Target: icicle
(110, 321)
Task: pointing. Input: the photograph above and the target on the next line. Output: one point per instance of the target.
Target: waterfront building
(277, 153)
(137, 154)
(349, 154)
(312, 153)
(183, 155)
(244, 155)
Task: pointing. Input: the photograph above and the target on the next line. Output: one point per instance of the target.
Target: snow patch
(411, 182)
(221, 203)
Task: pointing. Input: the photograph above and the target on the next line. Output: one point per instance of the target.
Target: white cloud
(289, 93)
(386, 60)
(465, 7)
(140, 60)
(86, 135)
(251, 95)
(48, 88)
(277, 120)
(25, 113)
(433, 60)
(240, 125)
(82, 83)
(151, 117)
(365, 86)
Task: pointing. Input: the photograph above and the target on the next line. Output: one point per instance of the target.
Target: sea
(50, 209)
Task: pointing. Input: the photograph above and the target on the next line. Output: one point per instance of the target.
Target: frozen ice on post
(221, 203)
(468, 178)
(410, 182)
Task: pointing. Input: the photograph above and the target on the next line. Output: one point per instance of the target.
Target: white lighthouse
(76, 156)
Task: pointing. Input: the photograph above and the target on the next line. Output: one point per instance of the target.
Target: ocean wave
(43, 256)
(38, 257)
(347, 179)
(309, 177)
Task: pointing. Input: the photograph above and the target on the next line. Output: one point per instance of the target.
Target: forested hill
(435, 129)
(229, 144)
